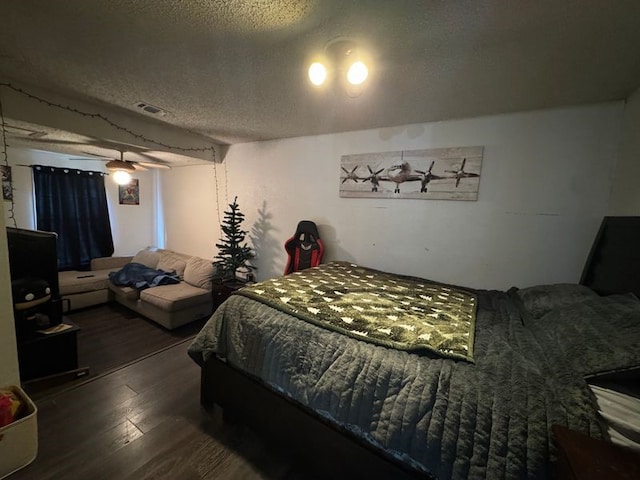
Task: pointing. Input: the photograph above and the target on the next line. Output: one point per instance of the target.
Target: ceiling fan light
(358, 73)
(317, 73)
(122, 177)
(120, 165)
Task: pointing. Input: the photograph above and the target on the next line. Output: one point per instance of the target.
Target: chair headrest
(306, 231)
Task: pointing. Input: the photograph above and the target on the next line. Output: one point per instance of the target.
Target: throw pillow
(170, 262)
(199, 272)
(542, 299)
(147, 257)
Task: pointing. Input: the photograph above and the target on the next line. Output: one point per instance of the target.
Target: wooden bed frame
(291, 425)
(612, 267)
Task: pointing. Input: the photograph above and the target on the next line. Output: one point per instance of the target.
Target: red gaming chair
(305, 248)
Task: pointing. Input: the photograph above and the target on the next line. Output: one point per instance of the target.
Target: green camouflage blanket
(393, 311)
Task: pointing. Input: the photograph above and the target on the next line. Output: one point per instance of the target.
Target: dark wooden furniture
(581, 457)
(45, 355)
(292, 426)
(306, 431)
(221, 291)
(612, 266)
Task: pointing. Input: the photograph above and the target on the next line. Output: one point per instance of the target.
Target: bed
(478, 402)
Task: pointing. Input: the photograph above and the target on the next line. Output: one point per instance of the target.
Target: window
(73, 203)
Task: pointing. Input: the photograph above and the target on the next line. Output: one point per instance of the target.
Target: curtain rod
(69, 168)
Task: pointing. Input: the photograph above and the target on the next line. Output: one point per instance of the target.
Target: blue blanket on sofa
(140, 276)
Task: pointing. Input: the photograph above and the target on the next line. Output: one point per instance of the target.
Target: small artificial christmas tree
(232, 253)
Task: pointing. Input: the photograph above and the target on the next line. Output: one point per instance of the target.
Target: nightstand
(581, 457)
(221, 291)
(54, 354)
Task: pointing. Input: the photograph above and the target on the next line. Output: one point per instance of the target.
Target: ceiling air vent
(152, 109)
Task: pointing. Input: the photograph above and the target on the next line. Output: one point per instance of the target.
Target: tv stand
(50, 356)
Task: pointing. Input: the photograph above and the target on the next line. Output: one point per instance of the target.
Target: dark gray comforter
(450, 418)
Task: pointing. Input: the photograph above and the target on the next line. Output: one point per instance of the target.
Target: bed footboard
(334, 453)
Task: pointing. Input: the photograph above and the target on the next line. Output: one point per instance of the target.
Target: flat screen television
(33, 254)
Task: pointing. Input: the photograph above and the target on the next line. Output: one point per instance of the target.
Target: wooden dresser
(581, 457)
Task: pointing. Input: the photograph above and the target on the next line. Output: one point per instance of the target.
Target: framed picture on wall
(129, 194)
(7, 191)
(428, 174)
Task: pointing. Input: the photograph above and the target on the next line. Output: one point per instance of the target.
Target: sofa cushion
(109, 263)
(128, 293)
(148, 257)
(73, 282)
(171, 261)
(199, 272)
(175, 297)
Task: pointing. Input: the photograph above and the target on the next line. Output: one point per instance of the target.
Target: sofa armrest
(105, 263)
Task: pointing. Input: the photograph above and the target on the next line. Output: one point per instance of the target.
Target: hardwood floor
(111, 336)
(144, 421)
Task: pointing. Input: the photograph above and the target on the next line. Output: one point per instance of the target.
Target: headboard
(613, 265)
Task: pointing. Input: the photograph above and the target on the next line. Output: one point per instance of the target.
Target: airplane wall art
(435, 174)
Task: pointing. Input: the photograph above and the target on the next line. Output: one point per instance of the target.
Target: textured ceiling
(235, 70)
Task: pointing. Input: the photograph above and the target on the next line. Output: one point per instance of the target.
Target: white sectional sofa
(169, 305)
(88, 288)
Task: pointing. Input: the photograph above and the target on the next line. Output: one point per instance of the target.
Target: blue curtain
(73, 203)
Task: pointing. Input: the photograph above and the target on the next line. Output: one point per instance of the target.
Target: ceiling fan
(122, 169)
(34, 136)
(130, 165)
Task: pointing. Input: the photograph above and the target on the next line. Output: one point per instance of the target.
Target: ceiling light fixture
(344, 60)
(358, 73)
(121, 170)
(122, 177)
(317, 73)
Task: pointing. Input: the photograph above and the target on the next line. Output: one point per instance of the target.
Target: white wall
(625, 195)
(133, 226)
(189, 204)
(546, 179)
(8, 351)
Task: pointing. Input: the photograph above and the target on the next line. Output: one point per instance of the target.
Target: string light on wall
(344, 61)
(5, 162)
(108, 121)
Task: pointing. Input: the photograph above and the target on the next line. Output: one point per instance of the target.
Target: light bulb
(317, 73)
(357, 73)
(121, 177)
